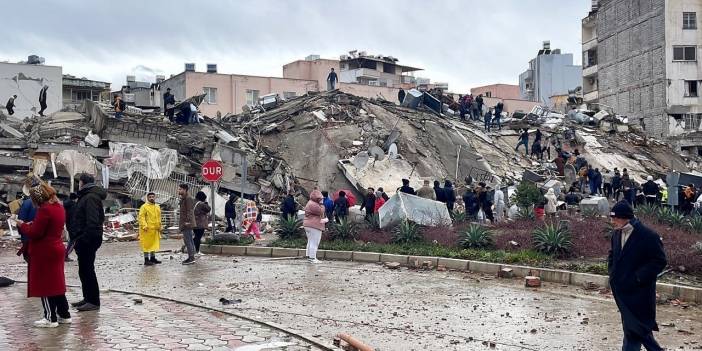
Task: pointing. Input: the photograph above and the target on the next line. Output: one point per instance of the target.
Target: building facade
(642, 61)
(502, 91)
(76, 90)
(26, 81)
(550, 73)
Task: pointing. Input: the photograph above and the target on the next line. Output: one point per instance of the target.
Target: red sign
(212, 171)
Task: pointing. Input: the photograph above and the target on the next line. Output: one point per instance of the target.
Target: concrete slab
(211, 249)
(554, 276)
(339, 255)
(401, 259)
(420, 259)
(484, 267)
(234, 250)
(452, 263)
(580, 279)
(366, 256)
(282, 252)
(259, 251)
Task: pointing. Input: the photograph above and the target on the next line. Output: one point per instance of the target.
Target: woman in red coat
(46, 251)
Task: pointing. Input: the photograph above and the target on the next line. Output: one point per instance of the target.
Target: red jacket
(379, 202)
(46, 251)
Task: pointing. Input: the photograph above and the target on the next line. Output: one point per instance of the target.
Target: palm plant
(526, 213)
(552, 239)
(477, 237)
(407, 232)
(289, 228)
(343, 231)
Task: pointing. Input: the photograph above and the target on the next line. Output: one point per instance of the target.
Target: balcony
(591, 96)
(590, 71)
(589, 44)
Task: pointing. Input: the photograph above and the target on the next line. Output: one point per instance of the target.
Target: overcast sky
(463, 42)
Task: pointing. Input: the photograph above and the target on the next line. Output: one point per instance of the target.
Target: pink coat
(314, 212)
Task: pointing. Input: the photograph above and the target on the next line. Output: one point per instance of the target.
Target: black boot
(154, 260)
(148, 263)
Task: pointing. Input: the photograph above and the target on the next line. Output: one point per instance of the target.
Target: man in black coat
(651, 190)
(341, 207)
(369, 203)
(406, 188)
(88, 220)
(69, 206)
(636, 259)
(287, 208)
(42, 100)
(449, 196)
(439, 192)
(169, 104)
(230, 213)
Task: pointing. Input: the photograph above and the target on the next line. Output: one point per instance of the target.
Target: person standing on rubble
(470, 201)
(369, 204)
(119, 107)
(10, 106)
(201, 210)
(406, 188)
(551, 207)
(186, 222)
(439, 192)
(287, 208)
(169, 104)
(341, 207)
(634, 262)
(89, 218)
(314, 224)
(379, 202)
(607, 183)
(598, 182)
(449, 196)
(42, 100)
(651, 191)
(230, 213)
(328, 205)
(150, 229)
(499, 201)
(627, 187)
(479, 100)
(332, 78)
(385, 196)
(498, 114)
(426, 191)
(488, 120)
(616, 185)
(523, 140)
(485, 201)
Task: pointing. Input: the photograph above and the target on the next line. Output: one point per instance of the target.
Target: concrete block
(484, 267)
(581, 279)
(519, 271)
(283, 252)
(322, 254)
(532, 282)
(452, 263)
(421, 259)
(554, 276)
(401, 259)
(689, 294)
(259, 251)
(211, 249)
(366, 256)
(505, 273)
(234, 250)
(301, 252)
(338, 255)
(668, 289)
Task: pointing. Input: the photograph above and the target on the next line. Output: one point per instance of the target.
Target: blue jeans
(487, 123)
(118, 115)
(634, 342)
(496, 120)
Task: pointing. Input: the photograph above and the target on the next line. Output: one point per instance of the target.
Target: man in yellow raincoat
(150, 229)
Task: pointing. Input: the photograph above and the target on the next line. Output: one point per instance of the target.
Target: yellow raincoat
(149, 227)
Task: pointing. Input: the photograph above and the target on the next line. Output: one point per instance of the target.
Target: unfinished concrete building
(640, 59)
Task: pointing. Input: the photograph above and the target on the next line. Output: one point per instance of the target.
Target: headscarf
(39, 191)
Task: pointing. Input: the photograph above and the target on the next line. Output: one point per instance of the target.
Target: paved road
(390, 310)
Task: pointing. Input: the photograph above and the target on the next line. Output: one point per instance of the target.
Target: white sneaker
(314, 260)
(45, 323)
(64, 320)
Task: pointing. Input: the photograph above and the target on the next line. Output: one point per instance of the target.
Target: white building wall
(678, 72)
(26, 81)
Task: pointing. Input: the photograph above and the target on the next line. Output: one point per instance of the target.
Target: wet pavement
(387, 309)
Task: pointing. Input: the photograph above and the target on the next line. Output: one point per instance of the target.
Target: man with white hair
(651, 191)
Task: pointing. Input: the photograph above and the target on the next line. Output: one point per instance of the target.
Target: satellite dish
(377, 153)
(361, 159)
(392, 150)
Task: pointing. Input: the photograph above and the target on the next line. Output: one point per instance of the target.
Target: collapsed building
(330, 140)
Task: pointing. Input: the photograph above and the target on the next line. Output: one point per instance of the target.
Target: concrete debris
(532, 282)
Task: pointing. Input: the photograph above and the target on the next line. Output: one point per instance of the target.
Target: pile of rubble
(330, 140)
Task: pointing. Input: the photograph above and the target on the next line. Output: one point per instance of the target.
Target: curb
(686, 293)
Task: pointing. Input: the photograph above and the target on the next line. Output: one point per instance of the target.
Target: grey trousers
(189, 243)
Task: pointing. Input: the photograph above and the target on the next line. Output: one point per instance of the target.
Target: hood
(316, 196)
(551, 192)
(448, 184)
(437, 184)
(93, 189)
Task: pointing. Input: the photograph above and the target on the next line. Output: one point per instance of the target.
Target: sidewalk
(124, 324)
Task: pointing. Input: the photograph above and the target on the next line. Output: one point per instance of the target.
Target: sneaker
(190, 260)
(79, 303)
(45, 323)
(148, 263)
(87, 307)
(314, 260)
(64, 320)
(154, 260)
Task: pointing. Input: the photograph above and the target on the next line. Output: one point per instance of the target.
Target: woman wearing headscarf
(46, 278)
(314, 223)
(551, 203)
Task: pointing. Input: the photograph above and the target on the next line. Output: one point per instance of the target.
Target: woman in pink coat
(314, 224)
(46, 256)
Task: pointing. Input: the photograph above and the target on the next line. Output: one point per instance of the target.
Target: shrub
(552, 239)
(666, 215)
(590, 212)
(289, 228)
(646, 211)
(476, 237)
(459, 216)
(407, 232)
(526, 213)
(343, 231)
(527, 194)
(694, 224)
(374, 223)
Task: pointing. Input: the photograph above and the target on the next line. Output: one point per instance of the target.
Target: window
(251, 97)
(684, 53)
(692, 121)
(211, 95)
(80, 95)
(289, 95)
(488, 94)
(691, 88)
(689, 20)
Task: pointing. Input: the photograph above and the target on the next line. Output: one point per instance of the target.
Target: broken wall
(26, 81)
